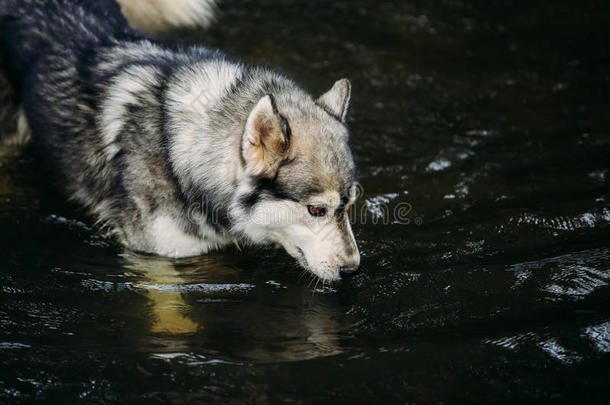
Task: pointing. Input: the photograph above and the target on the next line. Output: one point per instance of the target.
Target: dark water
(482, 134)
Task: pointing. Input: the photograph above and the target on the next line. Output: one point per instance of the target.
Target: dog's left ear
(266, 140)
(336, 100)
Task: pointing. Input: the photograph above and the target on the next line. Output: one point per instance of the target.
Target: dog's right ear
(266, 140)
(336, 100)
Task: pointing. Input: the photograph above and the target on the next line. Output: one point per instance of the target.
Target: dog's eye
(316, 211)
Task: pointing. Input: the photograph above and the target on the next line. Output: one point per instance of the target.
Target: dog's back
(32, 28)
(45, 53)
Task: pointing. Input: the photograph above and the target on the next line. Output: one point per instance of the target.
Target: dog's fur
(161, 15)
(148, 136)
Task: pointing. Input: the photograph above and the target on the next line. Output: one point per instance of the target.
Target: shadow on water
(482, 138)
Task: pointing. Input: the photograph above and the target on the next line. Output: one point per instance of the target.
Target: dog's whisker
(313, 278)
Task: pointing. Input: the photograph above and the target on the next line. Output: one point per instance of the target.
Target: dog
(178, 150)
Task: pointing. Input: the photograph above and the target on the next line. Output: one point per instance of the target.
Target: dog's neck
(203, 142)
(207, 107)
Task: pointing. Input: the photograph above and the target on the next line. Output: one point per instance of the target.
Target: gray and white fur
(178, 150)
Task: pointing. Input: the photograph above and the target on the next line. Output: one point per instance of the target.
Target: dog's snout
(347, 271)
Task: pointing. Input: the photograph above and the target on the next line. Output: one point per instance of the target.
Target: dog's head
(299, 179)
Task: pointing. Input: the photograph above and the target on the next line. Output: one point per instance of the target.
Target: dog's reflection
(164, 285)
(258, 322)
(170, 312)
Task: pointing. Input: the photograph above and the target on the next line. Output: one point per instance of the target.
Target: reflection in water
(311, 335)
(169, 310)
(9, 155)
(189, 301)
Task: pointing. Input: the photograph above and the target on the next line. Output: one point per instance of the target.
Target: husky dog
(139, 132)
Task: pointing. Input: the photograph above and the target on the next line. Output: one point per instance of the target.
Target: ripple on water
(197, 287)
(438, 165)
(70, 223)
(377, 206)
(566, 276)
(599, 175)
(110, 286)
(577, 281)
(194, 359)
(558, 352)
(561, 223)
(512, 342)
(106, 286)
(549, 345)
(13, 346)
(600, 336)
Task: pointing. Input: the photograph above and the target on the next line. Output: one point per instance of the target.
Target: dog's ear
(266, 140)
(336, 100)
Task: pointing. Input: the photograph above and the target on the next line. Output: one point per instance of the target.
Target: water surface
(482, 135)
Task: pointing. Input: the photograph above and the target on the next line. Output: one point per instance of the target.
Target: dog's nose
(347, 271)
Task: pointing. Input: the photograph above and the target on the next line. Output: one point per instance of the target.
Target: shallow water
(482, 135)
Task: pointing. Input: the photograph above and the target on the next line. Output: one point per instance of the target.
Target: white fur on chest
(168, 238)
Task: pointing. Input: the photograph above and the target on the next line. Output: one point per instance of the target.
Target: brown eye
(316, 211)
